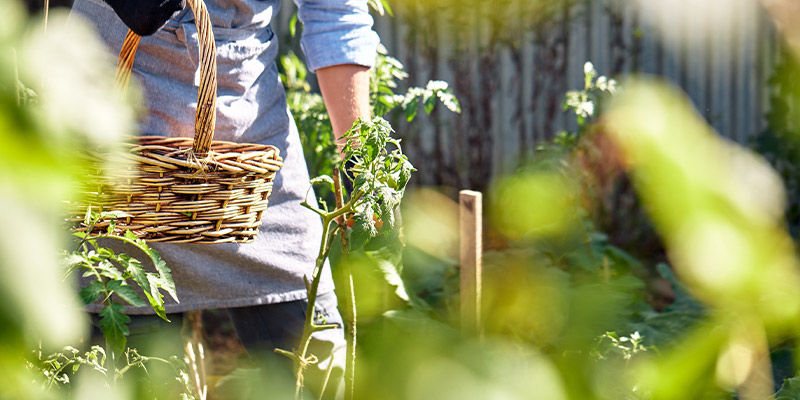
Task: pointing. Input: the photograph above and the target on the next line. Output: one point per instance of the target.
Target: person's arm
(340, 47)
(345, 90)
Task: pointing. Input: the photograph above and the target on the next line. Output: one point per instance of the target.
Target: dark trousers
(260, 329)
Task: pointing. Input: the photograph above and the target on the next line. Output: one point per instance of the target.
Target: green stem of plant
(301, 358)
(143, 360)
(308, 328)
(350, 295)
(55, 375)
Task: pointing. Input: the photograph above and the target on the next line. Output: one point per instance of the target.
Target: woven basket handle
(206, 115)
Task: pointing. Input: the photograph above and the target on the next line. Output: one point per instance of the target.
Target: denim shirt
(251, 108)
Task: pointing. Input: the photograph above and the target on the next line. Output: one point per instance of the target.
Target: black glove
(145, 17)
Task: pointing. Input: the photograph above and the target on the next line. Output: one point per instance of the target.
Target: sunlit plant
(378, 173)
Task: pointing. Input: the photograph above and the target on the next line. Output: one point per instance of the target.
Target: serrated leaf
(106, 269)
(92, 292)
(71, 259)
(113, 324)
(165, 281)
(158, 299)
(126, 293)
(137, 272)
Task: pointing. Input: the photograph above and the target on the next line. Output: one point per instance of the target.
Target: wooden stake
(471, 219)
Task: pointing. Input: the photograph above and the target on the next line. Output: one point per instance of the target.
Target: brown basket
(186, 190)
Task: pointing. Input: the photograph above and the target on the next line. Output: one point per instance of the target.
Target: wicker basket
(184, 190)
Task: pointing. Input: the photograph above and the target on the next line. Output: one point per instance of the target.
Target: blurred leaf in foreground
(70, 76)
(719, 209)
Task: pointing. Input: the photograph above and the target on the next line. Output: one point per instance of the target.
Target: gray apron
(251, 107)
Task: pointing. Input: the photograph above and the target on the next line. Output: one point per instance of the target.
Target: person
(260, 283)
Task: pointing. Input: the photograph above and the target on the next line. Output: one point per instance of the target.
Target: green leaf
(131, 236)
(165, 274)
(113, 325)
(113, 215)
(388, 9)
(430, 103)
(158, 299)
(363, 229)
(392, 277)
(293, 25)
(411, 109)
(71, 260)
(125, 292)
(790, 390)
(92, 292)
(137, 272)
(87, 218)
(106, 269)
(323, 179)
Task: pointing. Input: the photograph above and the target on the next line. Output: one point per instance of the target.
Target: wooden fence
(511, 61)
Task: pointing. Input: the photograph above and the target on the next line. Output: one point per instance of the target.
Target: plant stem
(350, 296)
(309, 326)
(301, 357)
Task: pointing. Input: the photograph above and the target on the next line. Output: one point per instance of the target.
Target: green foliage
(610, 344)
(111, 275)
(790, 390)
(51, 107)
(59, 369)
(113, 323)
(586, 103)
(379, 173)
(779, 143)
(313, 122)
(723, 234)
(384, 81)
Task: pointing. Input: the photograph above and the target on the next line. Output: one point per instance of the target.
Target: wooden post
(470, 206)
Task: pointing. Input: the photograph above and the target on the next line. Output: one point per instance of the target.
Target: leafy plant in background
(623, 346)
(58, 368)
(607, 194)
(779, 143)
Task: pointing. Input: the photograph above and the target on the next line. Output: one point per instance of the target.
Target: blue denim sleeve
(337, 32)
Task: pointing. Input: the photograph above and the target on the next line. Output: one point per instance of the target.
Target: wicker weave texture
(216, 199)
